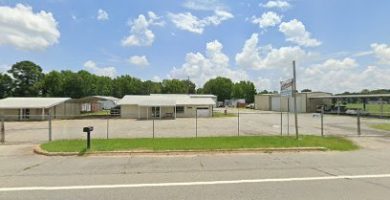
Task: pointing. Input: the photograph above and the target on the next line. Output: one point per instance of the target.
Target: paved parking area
(249, 122)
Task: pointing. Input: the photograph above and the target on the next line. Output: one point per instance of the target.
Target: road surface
(362, 174)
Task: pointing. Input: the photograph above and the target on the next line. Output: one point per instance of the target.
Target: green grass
(374, 109)
(385, 127)
(201, 143)
(221, 114)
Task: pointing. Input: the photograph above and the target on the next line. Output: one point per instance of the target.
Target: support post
(295, 100)
(43, 114)
(238, 121)
(153, 127)
(281, 114)
(382, 114)
(50, 130)
(288, 116)
(358, 123)
(2, 131)
(108, 125)
(322, 121)
(196, 122)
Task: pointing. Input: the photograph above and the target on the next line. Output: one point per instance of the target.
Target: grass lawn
(385, 127)
(201, 143)
(221, 114)
(374, 109)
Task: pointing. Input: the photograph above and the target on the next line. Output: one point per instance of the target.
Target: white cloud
(295, 32)
(276, 4)
(156, 79)
(102, 15)
(141, 35)
(343, 75)
(141, 61)
(203, 4)
(101, 71)
(263, 84)
(255, 57)
(382, 52)
(202, 67)
(267, 19)
(187, 21)
(24, 29)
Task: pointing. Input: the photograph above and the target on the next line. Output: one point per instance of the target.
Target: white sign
(286, 87)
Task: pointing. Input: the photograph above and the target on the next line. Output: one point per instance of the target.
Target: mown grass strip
(201, 143)
(385, 126)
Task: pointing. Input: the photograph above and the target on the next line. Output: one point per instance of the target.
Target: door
(275, 104)
(203, 112)
(26, 113)
(155, 112)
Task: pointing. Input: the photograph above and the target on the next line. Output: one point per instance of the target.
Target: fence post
(49, 118)
(2, 131)
(196, 122)
(238, 121)
(322, 121)
(108, 118)
(358, 123)
(153, 127)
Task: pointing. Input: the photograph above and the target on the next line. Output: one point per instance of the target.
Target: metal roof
(30, 102)
(102, 98)
(165, 100)
(351, 96)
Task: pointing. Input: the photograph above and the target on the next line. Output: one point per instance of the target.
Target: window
(180, 109)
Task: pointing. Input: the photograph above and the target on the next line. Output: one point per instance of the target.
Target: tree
(53, 84)
(151, 87)
(72, 84)
(27, 76)
(306, 90)
(244, 90)
(5, 85)
(191, 87)
(174, 86)
(124, 85)
(220, 86)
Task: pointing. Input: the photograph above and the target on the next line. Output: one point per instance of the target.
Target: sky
(338, 45)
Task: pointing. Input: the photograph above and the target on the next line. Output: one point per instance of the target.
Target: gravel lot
(251, 122)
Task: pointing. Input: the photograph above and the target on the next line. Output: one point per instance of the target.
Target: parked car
(354, 111)
(250, 106)
(115, 111)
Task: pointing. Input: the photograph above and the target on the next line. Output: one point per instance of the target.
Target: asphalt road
(363, 174)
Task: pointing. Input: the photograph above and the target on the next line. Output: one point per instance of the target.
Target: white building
(159, 106)
(37, 108)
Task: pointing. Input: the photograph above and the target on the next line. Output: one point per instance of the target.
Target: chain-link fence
(232, 122)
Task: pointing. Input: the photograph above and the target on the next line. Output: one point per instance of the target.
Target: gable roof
(30, 102)
(166, 100)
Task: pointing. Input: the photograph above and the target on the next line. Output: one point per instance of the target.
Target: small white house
(160, 106)
(37, 108)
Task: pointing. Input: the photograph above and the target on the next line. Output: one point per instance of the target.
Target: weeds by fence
(231, 123)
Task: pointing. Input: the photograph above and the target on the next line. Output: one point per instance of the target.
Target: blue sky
(338, 45)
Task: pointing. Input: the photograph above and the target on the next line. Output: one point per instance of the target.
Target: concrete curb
(39, 150)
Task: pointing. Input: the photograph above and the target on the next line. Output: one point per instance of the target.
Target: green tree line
(26, 79)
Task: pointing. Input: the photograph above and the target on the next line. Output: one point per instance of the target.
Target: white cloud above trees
(295, 32)
(140, 33)
(25, 29)
(189, 22)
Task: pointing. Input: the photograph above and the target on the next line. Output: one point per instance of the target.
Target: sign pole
(295, 100)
